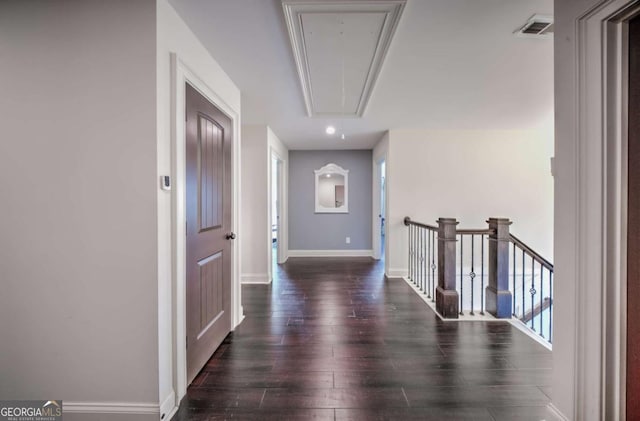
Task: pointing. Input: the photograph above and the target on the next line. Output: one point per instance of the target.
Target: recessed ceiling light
(342, 136)
(330, 130)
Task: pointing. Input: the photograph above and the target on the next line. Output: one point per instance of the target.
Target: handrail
(408, 221)
(544, 262)
(537, 310)
(485, 231)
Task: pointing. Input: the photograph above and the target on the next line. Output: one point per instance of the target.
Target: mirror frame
(332, 169)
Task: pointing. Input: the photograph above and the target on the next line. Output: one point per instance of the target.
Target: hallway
(331, 339)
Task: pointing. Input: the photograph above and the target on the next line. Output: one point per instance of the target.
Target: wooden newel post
(498, 296)
(447, 303)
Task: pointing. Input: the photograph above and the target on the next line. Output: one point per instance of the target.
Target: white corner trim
(518, 324)
(168, 407)
(397, 273)
(557, 412)
(255, 278)
(330, 253)
(134, 408)
(234, 328)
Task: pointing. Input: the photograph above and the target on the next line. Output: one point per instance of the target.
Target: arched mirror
(332, 189)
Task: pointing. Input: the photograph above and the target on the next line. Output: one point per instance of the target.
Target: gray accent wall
(323, 231)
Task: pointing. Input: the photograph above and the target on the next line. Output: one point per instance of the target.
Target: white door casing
(182, 74)
(590, 232)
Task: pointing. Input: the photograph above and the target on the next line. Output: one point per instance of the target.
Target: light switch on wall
(348, 240)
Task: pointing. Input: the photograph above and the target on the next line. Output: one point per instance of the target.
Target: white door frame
(377, 208)
(282, 222)
(182, 74)
(278, 163)
(600, 227)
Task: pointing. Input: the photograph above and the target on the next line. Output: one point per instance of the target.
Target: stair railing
(532, 288)
(470, 272)
(423, 256)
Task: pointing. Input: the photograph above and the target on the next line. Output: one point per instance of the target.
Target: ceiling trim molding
(293, 11)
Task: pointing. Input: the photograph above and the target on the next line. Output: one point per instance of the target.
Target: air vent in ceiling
(537, 26)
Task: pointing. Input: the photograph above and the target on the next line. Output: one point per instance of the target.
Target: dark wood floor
(331, 339)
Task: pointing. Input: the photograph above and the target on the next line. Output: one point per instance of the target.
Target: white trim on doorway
(380, 155)
(281, 248)
(599, 183)
(180, 74)
(615, 190)
(378, 205)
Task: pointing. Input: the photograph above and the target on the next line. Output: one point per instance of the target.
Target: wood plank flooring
(332, 339)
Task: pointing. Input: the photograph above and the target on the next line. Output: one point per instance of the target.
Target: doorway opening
(383, 210)
(276, 211)
(379, 208)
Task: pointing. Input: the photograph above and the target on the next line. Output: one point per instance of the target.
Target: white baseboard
(330, 253)
(132, 408)
(518, 324)
(168, 407)
(240, 321)
(461, 318)
(397, 273)
(255, 278)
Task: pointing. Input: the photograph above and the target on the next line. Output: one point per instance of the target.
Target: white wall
(469, 175)
(565, 212)
(258, 143)
(255, 199)
(173, 36)
(98, 262)
(78, 250)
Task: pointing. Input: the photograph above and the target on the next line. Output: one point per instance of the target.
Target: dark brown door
(633, 227)
(208, 198)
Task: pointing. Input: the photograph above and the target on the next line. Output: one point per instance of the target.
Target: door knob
(230, 236)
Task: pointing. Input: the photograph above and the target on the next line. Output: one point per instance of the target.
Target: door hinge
(186, 340)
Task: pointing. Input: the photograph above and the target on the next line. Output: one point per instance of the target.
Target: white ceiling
(453, 64)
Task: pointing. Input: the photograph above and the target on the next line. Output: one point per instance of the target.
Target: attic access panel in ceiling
(339, 48)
